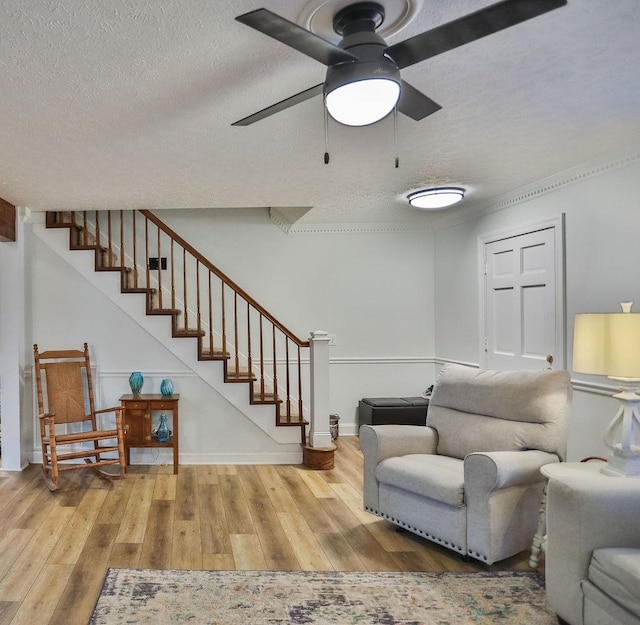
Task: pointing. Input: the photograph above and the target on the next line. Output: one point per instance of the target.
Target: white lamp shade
(363, 102)
(607, 344)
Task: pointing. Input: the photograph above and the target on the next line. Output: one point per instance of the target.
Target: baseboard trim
(163, 457)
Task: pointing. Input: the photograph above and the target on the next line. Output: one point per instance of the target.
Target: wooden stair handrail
(271, 380)
(223, 277)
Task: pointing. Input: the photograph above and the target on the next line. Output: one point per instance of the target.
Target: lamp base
(620, 466)
(621, 436)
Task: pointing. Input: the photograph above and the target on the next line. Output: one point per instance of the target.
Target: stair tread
(215, 355)
(267, 396)
(232, 376)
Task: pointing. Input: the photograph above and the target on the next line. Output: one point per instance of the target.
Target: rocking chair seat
(84, 436)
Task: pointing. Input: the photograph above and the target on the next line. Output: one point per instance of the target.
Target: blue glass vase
(166, 387)
(135, 382)
(163, 430)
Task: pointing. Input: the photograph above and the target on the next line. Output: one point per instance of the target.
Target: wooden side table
(137, 412)
(557, 470)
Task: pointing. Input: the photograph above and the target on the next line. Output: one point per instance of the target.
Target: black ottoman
(398, 410)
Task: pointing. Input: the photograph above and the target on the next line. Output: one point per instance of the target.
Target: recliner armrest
(378, 442)
(500, 469)
(584, 514)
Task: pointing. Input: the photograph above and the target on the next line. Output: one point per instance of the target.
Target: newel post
(318, 453)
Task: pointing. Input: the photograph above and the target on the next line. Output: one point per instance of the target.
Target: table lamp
(609, 344)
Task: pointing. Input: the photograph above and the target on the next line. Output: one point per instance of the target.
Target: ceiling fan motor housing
(358, 17)
(357, 23)
(343, 73)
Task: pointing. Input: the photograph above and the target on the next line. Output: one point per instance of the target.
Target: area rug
(145, 597)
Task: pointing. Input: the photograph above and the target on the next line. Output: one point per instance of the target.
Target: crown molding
(276, 219)
(574, 175)
(350, 228)
(285, 217)
(568, 177)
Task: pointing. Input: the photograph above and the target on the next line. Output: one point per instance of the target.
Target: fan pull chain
(326, 131)
(395, 134)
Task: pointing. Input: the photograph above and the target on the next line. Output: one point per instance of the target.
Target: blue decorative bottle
(135, 382)
(163, 430)
(166, 387)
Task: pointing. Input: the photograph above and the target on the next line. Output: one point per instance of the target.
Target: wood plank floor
(56, 547)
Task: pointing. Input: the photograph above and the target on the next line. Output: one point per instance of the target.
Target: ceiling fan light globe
(363, 102)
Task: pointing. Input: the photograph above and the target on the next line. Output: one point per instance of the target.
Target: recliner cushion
(481, 410)
(616, 571)
(437, 477)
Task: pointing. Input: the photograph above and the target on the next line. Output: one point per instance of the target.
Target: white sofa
(592, 565)
(471, 479)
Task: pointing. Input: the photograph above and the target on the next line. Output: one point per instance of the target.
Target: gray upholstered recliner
(471, 479)
(592, 560)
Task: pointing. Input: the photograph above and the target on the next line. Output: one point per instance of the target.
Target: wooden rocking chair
(65, 402)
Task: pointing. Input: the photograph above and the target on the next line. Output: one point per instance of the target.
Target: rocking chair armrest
(112, 409)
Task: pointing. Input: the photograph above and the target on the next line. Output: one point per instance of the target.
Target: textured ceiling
(129, 104)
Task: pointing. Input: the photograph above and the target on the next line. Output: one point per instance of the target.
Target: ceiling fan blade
(415, 104)
(281, 106)
(295, 36)
(468, 28)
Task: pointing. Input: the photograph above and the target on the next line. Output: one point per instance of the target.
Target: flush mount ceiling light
(440, 197)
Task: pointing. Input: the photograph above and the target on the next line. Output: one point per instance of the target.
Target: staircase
(202, 303)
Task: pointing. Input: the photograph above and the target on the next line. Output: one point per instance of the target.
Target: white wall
(602, 269)
(16, 434)
(372, 290)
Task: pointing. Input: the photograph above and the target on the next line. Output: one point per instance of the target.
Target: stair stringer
(159, 327)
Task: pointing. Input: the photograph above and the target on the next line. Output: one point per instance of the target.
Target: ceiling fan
(363, 83)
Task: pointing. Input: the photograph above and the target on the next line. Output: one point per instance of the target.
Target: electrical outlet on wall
(333, 340)
(155, 263)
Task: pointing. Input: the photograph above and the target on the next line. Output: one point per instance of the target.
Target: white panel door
(520, 296)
